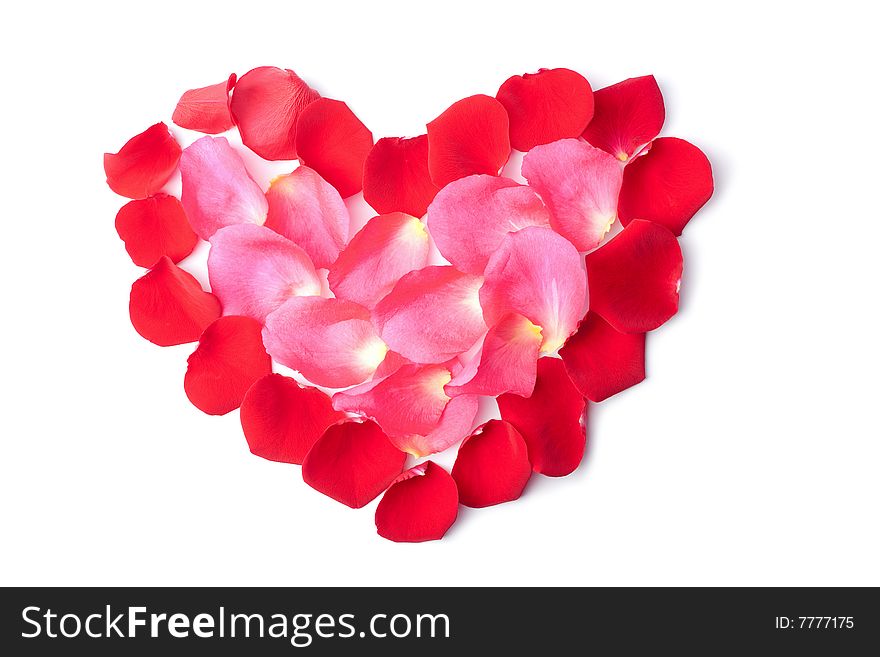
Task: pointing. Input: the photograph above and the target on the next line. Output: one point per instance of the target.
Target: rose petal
(431, 315)
(154, 227)
(253, 270)
(628, 115)
(168, 306)
(396, 177)
(217, 189)
(282, 419)
(353, 462)
(667, 185)
(507, 361)
(635, 277)
(385, 249)
(470, 137)
(421, 505)
(206, 109)
(331, 342)
(492, 465)
(538, 274)
(545, 106)
(552, 420)
(579, 184)
(266, 104)
(230, 358)
(144, 164)
(470, 217)
(456, 422)
(309, 212)
(602, 361)
(332, 140)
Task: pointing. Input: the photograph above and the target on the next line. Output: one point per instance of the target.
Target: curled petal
(206, 109)
(144, 164)
(332, 140)
(667, 185)
(168, 306)
(602, 361)
(470, 137)
(217, 189)
(507, 361)
(331, 342)
(309, 212)
(396, 177)
(380, 254)
(353, 462)
(266, 104)
(536, 273)
(635, 277)
(282, 419)
(456, 422)
(552, 420)
(492, 465)
(628, 115)
(545, 106)
(470, 217)
(230, 358)
(253, 270)
(154, 227)
(420, 505)
(431, 315)
(579, 184)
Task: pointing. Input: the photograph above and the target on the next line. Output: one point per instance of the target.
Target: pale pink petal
(455, 424)
(470, 216)
(579, 184)
(385, 249)
(309, 211)
(253, 270)
(508, 361)
(217, 189)
(539, 274)
(331, 342)
(432, 314)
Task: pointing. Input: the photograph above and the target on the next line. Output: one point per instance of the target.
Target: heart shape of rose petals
(535, 301)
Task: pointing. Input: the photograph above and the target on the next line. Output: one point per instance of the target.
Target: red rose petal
(580, 185)
(396, 177)
(551, 421)
(420, 505)
(217, 189)
(538, 274)
(154, 227)
(353, 462)
(470, 137)
(469, 218)
(331, 342)
(282, 419)
(168, 305)
(545, 106)
(253, 270)
(309, 212)
(507, 361)
(492, 465)
(635, 277)
(602, 361)
(144, 164)
(667, 185)
(206, 109)
(332, 140)
(230, 358)
(628, 115)
(431, 315)
(266, 104)
(380, 254)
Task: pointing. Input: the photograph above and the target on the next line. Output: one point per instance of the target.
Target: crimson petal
(154, 227)
(206, 109)
(492, 465)
(396, 177)
(353, 462)
(144, 164)
(420, 505)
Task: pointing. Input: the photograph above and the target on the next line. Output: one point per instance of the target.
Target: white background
(749, 456)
